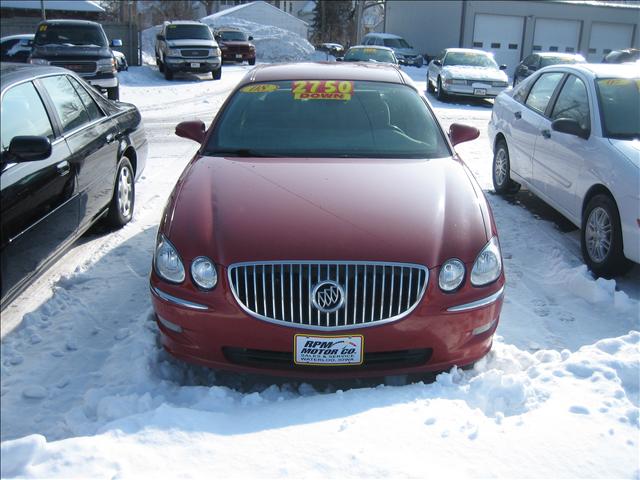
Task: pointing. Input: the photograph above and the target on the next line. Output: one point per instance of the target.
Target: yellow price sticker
(260, 88)
(322, 89)
(43, 28)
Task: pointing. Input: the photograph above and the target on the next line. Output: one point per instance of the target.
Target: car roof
(557, 54)
(374, 72)
(468, 50)
(377, 47)
(185, 22)
(383, 35)
(12, 73)
(61, 21)
(19, 36)
(606, 70)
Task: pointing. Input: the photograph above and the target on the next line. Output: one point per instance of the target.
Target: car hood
(239, 210)
(629, 148)
(475, 73)
(68, 51)
(191, 43)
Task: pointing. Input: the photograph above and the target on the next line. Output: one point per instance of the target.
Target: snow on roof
(243, 6)
(64, 5)
(602, 3)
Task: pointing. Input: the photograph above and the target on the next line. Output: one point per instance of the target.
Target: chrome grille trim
(375, 292)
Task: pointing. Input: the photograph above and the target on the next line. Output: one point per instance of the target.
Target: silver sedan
(571, 135)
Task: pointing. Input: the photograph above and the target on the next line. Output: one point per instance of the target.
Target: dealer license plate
(479, 91)
(331, 350)
(195, 65)
(238, 55)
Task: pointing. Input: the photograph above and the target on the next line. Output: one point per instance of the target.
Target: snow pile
(273, 44)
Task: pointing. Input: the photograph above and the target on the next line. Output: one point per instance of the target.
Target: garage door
(606, 37)
(500, 34)
(551, 35)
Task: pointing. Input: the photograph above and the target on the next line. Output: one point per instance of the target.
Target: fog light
(483, 328)
(170, 325)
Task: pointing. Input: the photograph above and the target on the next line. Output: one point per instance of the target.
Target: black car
(69, 158)
(16, 48)
(80, 46)
(627, 55)
(536, 61)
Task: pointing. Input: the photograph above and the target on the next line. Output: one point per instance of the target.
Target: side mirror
(437, 62)
(29, 148)
(193, 130)
(217, 37)
(250, 38)
(459, 133)
(571, 127)
(159, 37)
(116, 42)
(503, 67)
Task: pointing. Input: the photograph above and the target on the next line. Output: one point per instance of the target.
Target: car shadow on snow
(455, 102)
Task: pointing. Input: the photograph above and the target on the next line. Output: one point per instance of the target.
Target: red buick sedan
(327, 228)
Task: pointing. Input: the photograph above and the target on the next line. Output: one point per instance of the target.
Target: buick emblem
(327, 296)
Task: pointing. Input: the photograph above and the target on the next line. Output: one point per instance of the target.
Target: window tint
(620, 105)
(60, 34)
(87, 100)
(189, 32)
(367, 54)
(23, 114)
(6, 46)
(327, 119)
(66, 102)
(542, 90)
(573, 103)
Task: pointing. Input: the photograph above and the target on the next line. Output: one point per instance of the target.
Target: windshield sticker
(263, 87)
(369, 50)
(322, 89)
(43, 28)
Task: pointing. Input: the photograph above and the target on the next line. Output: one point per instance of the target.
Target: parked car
(236, 45)
(571, 135)
(536, 61)
(16, 48)
(466, 72)
(80, 46)
(69, 158)
(361, 53)
(405, 53)
(121, 61)
(185, 46)
(334, 49)
(265, 263)
(628, 55)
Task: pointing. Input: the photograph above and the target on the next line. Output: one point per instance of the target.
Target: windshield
(469, 59)
(396, 43)
(620, 105)
(231, 36)
(58, 34)
(188, 32)
(546, 61)
(327, 118)
(369, 54)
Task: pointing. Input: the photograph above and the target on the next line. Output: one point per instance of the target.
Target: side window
(379, 41)
(366, 41)
(87, 100)
(542, 90)
(530, 60)
(23, 113)
(6, 46)
(66, 102)
(573, 103)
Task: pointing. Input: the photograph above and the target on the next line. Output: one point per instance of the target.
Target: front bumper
(211, 329)
(200, 65)
(476, 89)
(238, 56)
(108, 82)
(415, 61)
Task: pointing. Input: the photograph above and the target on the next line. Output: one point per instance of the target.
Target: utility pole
(42, 10)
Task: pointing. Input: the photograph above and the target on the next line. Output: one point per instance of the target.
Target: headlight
(203, 273)
(499, 84)
(167, 261)
(456, 81)
(451, 275)
(38, 61)
(488, 265)
(107, 65)
(215, 52)
(173, 52)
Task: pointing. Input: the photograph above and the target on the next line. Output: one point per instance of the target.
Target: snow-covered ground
(86, 390)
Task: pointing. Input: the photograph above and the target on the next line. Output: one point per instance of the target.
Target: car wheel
(168, 74)
(442, 96)
(160, 65)
(252, 61)
(501, 170)
(217, 74)
(113, 93)
(601, 238)
(124, 193)
(430, 88)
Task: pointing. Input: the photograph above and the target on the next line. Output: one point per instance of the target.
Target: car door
(433, 70)
(524, 124)
(558, 157)
(39, 213)
(91, 136)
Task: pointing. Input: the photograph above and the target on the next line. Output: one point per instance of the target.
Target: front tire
(168, 74)
(124, 195)
(601, 238)
(252, 61)
(440, 94)
(113, 93)
(501, 171)
(217, 74)
(430, 88)
(160, 65)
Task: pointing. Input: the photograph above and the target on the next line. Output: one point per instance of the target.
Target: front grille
(284, 360)
(194, 53)
(78, 67)
(372, 292)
